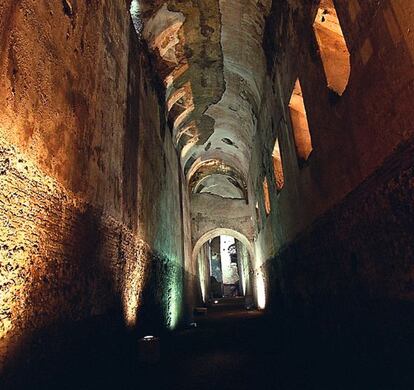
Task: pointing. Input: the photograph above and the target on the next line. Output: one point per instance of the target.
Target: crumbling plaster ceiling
(209, 54)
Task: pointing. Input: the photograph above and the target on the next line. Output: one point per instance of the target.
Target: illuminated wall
(339, 231)
(89, 178)
(260, 284)
(160, 220)
(245, 267)
(203, 266)
(60, 259)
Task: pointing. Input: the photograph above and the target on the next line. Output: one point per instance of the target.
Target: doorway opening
(223, 268)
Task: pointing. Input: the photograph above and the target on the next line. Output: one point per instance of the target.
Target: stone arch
(219, 232)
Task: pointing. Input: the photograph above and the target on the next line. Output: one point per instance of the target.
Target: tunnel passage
(134, 134)
(224, 268)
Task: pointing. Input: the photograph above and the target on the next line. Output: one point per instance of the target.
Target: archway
(222, 232)
(223, 260)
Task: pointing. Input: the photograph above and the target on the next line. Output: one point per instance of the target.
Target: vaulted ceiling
(210, 58)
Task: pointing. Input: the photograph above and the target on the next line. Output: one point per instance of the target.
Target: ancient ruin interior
(207, 193)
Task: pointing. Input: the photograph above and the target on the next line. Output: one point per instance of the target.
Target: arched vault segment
(222, 232)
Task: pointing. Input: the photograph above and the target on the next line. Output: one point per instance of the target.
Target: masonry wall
(90, 194)
(210, 212)
(341, 228)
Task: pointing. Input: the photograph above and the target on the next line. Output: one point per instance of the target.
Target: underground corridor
(207, 194)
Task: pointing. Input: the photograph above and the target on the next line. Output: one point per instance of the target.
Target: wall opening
(278, 166)
(135, 11)
(266, 196)
(223, 266)
(301, 132)
(332, 47)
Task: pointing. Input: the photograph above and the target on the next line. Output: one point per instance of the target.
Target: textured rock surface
(90, 185)
(344, 270)
(319, 238)
(210, 212)
(121, 157)
(213, 66)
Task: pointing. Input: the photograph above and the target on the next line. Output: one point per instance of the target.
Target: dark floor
(231, 348)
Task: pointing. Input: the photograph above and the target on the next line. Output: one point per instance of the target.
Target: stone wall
(330, 218)
(354, 263)
(210, 212)
(91, 211)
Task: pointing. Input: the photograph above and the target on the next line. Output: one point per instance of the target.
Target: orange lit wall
(77, 221)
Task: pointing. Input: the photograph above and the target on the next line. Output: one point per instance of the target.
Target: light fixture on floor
(249, 303)
(149, 350)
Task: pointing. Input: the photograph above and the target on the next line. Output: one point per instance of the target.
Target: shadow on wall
(349, 276)
(162, 301)
(71, 276)
(62, 261)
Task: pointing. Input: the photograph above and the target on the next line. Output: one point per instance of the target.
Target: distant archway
(222, 232)
(221, 273)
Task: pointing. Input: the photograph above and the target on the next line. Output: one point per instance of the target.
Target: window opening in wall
(233, 253)
(135, 11)
(278, 166)
(332, 46)
(266, 195)
(300, 124)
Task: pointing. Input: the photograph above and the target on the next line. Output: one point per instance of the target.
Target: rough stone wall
(352, 137)
(61, 81)
(191, 281)
(160, 212)
(355, 263)
(61, 258)
(209, 212)
(89, 180)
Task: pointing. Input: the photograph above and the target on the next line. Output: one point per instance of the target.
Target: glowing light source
(149, 350)
(202, 264)
(260, 291)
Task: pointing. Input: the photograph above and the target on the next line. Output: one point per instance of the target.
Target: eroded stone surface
(85, 165)
(215, 80)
